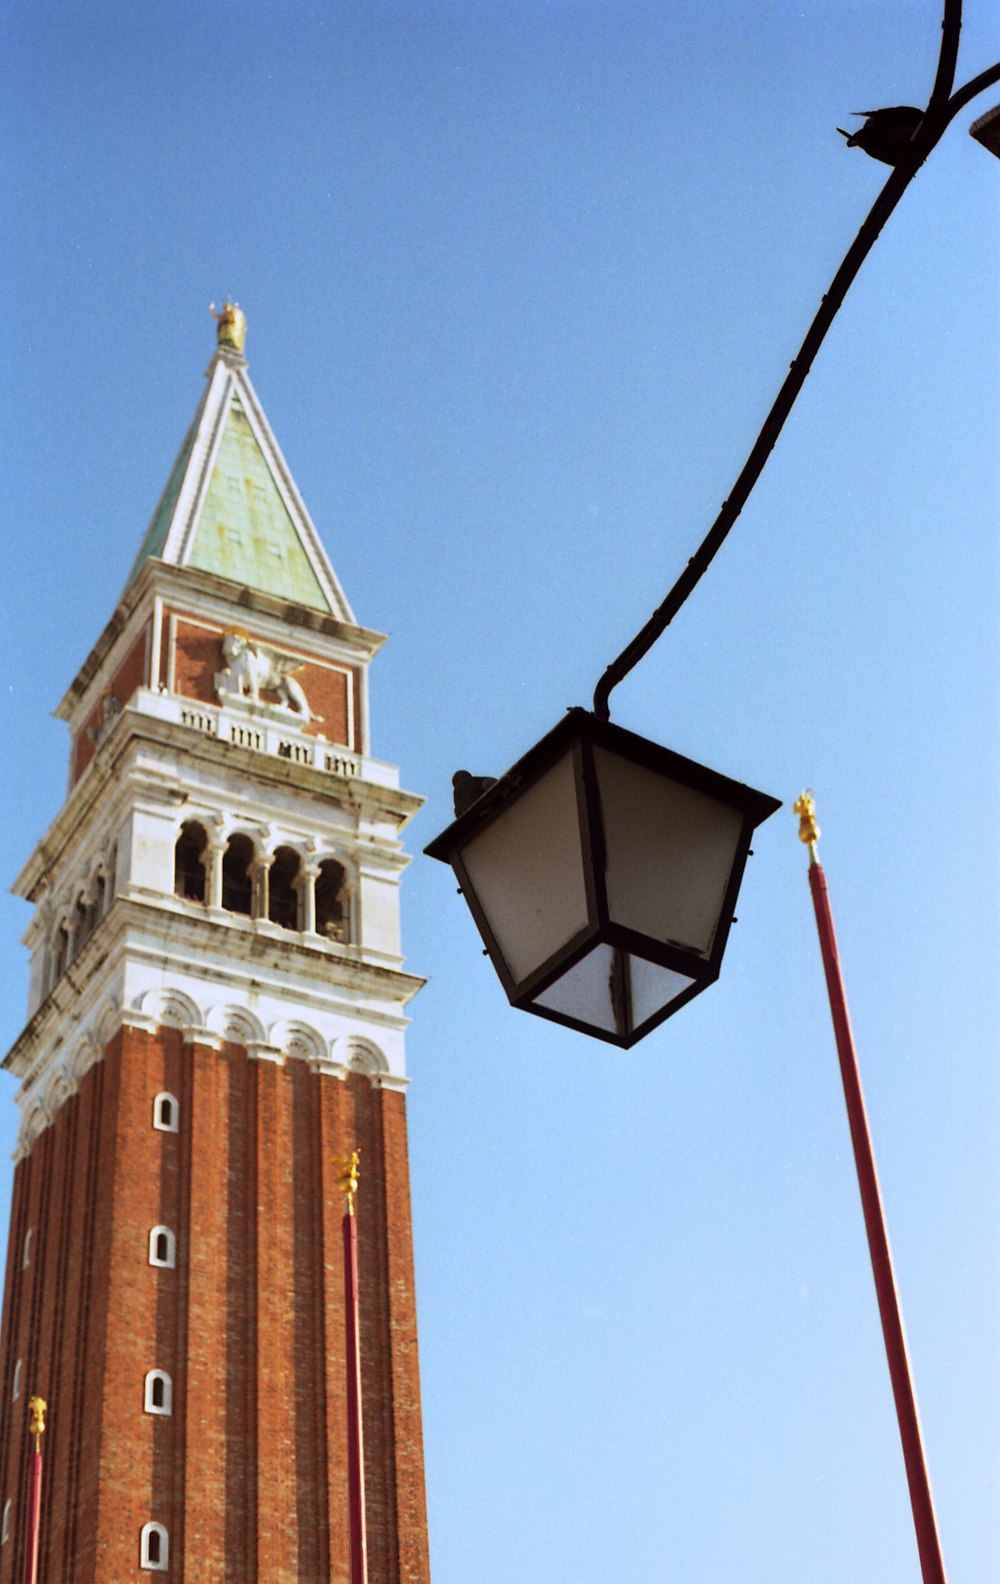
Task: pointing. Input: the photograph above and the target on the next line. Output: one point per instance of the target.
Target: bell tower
(216, 1012)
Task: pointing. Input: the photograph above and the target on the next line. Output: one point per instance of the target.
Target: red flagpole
(355, 1433)
(36, 1426)
(918, 1480)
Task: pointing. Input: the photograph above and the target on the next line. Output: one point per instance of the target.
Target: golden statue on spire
(232, 325)
(809, 831)
(36, 1418)
(348, 1171)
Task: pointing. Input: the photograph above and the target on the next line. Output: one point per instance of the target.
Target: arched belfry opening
(237, 875)
(331, 900)
(283, 896)
(189, 862)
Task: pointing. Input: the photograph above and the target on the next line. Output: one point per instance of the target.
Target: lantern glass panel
(526, 868)
(670, 853)
(653, 988)
(613, 990)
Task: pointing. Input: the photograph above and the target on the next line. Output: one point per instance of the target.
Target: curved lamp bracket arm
(975, 85)
(940, 110)
(944, 77)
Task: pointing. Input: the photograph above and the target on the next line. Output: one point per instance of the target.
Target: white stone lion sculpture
(250, 667)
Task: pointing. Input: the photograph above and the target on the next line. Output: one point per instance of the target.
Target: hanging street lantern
(602, 872)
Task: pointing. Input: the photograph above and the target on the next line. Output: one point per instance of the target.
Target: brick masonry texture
(248, 1473)
(131, 674)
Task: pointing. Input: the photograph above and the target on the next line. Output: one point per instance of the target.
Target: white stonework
(153, 958)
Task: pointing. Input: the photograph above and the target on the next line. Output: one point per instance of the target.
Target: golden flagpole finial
(348, 1171)
(809, 831)
(37, 1407)
(232, 325)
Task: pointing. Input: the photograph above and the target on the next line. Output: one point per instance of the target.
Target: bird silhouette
(468, 788)
(886, 134)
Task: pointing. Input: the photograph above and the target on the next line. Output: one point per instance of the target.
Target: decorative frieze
(56, 1073)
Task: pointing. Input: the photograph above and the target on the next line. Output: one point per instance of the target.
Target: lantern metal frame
(578, 735)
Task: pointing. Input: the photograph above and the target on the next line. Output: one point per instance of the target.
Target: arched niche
(189, 862)
(237, 875)
(282, 888)
(332, 901)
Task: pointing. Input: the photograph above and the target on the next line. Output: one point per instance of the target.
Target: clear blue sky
(521, 281)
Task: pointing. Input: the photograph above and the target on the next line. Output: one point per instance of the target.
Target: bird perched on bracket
(886, 134)
(467, 789)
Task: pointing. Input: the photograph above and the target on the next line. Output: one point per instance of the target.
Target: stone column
(261, 889)
(213, 872)
(305, 884)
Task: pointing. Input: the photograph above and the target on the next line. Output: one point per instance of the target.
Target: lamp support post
(348, 1179)
(918, 1480)
(36, 1428)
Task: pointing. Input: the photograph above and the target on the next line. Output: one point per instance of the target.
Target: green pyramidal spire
(230, 505)
(245, 531)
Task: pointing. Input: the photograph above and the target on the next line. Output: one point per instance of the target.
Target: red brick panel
(54, 1189)
(133, 671)
(336, 1111)
(277, 1518)
(130, 1436)
(202, 1254)
(411, 1503)
(376, 1370)
(197, 660)
(13, 1443)
(169, 1349)
(30, 1321)
(131, 674)
(394, 1470)
(308, 1368)
(91, 1239)
(51, 1374)
(326, 693)
(61, 1379)
(66, 1300)
(239, 1404)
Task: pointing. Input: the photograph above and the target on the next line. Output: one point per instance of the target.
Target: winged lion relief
(253, 668)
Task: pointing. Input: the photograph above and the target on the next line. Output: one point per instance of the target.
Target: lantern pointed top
(809, 831)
